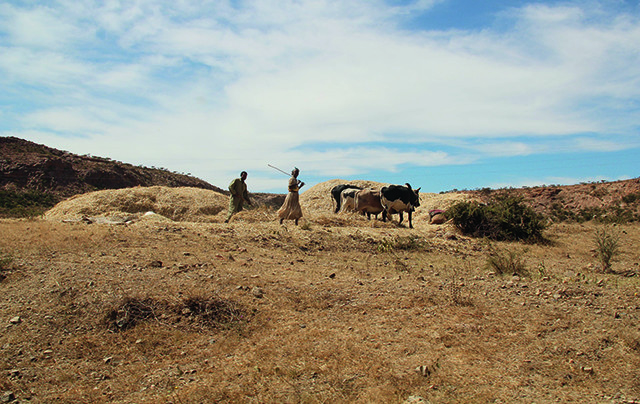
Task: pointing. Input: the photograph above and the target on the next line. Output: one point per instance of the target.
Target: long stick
(283, 172)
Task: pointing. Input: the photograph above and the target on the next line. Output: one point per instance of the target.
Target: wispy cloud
(217, 87)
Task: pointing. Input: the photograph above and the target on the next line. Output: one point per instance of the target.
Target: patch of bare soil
(187, 309)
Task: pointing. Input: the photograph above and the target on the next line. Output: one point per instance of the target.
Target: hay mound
(200, 205)
(178, 204)
(317, 199)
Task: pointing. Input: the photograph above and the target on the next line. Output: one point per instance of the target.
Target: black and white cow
(398, 199)
(337, 190)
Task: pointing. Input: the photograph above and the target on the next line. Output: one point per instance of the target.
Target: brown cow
(368, 201)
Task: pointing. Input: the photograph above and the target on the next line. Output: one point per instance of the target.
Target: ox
(398, 199)
(368, 201)
(337, 191)
(348, 199)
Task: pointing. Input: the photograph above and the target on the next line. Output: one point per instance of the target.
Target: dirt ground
(336, 310)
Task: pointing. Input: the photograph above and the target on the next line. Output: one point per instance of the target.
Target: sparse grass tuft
(607, 243)
(455, 289)
(6, 261)
(506, 262)
(402, 243)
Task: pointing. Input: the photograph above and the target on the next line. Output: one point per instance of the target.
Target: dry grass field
(178, 307)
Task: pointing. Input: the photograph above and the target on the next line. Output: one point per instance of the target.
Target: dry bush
(213, 312)
(132, 311)
(457, 293)
(199, 311)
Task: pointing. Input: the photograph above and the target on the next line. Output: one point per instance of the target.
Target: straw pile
(177, 204)
(205, 206)
(317, 199)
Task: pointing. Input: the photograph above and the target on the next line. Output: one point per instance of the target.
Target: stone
(438, 219)
(15, 320)
(257, 292)
(423, 370)
(8, 397)
(415, 400)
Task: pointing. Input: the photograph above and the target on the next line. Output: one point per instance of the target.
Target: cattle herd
(386, 200)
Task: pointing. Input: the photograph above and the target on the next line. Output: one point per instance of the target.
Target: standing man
(239, 195)
(291, 207)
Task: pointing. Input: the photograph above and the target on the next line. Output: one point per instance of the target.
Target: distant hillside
(34, 177)
(615, 201)
(25, 165)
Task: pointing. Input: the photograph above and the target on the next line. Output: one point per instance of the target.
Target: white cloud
(38, 27)
(217, 85)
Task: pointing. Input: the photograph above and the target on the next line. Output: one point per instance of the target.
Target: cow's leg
(410, 224)
(400, 217)
(384, 215)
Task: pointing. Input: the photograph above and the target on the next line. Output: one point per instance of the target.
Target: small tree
(607, 242)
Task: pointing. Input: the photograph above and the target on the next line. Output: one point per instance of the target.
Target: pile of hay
(200, 205)
(178, 204)
(317, 199)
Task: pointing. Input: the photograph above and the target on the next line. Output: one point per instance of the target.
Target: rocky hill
(27, 166)
(615, 201)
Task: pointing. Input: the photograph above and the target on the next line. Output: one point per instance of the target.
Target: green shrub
(561, 214)
(607, 243)
(25, 204)
(503, 219)
(631, 198)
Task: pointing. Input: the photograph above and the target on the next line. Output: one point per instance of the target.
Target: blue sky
(443, 94)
